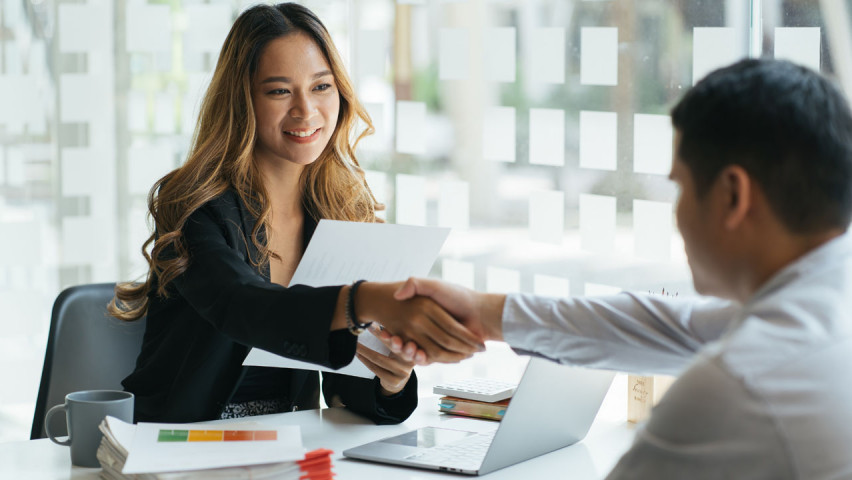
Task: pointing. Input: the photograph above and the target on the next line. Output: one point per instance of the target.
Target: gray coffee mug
(84, 411)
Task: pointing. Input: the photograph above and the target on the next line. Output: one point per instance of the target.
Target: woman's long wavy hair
(222, 158)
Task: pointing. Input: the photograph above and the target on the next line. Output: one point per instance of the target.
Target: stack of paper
(193, 451)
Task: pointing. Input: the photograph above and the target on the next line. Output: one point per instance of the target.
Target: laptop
(553, 407)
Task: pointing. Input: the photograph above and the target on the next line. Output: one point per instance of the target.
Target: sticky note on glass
(377, 181)
(81, 97)
(82, 171)
(19, 99)
(373, 48)
(410, 127)
(712, 48)
(164, 114)
(598, 140)
(137, 111)
(652, 144)
(13, 11)
(378, 141)
(147, 164)
(81, 27)
(194, 61)
(206, 27)
(189, 109)
(597, 223)
(80, 246)
(23, 249)
(453, 54)
(550, 286)
(498, 54)
(163, 61)
(652, 230)
(410, 200)
(148, 28)
(138, 233)
(599, 56)
(38, 58)
(15, 171)
(502, 280)
(547, 136)
(14, 59)
(547, 55)
(498, 134)
(196, 85)
(799, 45)
(453, 204)
(458, 272)
(547, 216)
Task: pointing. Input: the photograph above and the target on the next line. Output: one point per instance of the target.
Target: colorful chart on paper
(216, 435)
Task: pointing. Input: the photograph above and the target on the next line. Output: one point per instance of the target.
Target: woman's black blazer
(222, 305)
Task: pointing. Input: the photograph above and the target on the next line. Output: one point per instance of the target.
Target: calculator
(480, 389)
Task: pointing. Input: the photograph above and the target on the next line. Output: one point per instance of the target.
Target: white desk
(338, 429)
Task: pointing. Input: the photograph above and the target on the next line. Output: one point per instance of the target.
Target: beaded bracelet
(355, 327)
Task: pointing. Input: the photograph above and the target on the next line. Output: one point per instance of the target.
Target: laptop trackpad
(428, 437)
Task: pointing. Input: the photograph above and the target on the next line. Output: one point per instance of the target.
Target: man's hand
(481, 313)
(419, 320)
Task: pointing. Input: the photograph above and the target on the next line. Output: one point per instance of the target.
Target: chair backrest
(86, 350)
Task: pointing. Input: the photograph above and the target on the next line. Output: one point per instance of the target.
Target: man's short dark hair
(789, 127)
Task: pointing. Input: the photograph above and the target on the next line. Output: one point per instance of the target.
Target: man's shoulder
(791, 324)
(707, 425)
(712, 403)
(801, 387)
(810, 300)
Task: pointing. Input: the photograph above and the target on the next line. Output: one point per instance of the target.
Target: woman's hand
(393, 372)
(407, 351)
(418, 320)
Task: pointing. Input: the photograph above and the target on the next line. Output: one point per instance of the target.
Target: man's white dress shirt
(764, 388)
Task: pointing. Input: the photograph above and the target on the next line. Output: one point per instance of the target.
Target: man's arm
(629, 332)
(642, 333)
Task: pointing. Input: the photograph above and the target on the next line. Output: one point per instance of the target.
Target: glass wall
(536, 129)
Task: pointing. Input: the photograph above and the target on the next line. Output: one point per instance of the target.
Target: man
(763, 160)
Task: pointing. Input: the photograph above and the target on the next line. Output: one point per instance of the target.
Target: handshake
(425, 321)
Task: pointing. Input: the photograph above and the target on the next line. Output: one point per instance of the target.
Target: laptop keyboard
(467, 453)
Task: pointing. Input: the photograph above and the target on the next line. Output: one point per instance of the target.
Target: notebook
(553, 407)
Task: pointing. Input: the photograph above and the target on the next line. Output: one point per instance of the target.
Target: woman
(271, 156)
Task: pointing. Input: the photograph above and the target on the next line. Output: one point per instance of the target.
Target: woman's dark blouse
(196, 340)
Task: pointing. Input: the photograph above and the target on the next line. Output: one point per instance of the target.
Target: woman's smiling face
(296, 102)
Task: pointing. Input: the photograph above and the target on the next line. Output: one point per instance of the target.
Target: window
(537, 130)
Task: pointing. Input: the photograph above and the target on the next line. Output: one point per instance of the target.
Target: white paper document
(343, 252)
(170, 447)
(261, 358)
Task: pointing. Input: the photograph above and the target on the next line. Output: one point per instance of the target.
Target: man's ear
(735, 186)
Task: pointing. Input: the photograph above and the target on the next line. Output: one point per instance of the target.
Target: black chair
(86, 350)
